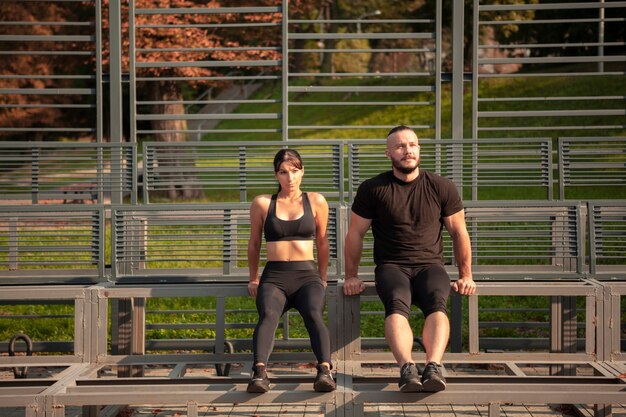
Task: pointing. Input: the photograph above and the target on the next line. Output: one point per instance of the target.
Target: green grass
(391, 115)
(55, 322)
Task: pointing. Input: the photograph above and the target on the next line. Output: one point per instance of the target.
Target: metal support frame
(80, 384)
(514, 385)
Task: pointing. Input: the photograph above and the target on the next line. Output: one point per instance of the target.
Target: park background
(144, 72)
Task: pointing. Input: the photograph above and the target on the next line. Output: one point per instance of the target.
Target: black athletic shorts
(399, 287)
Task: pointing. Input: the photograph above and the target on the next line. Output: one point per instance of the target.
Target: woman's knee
(269, 313)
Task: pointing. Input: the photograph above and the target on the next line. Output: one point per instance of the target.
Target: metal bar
(363, 89)
(475, 43)
(207, 25)
(551, 6)
(285, 70)
(494, 409)
(208, 64)
(553, 113)
(368, 35)
(213, 10)
(99, 75)
(473, 329)
(458, 38)
(132, 70)
(47, 38)
(49, 91)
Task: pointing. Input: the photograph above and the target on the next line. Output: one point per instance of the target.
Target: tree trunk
(174, 131)
(330, 11)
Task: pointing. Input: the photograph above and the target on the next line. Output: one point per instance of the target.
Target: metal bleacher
(567, 252)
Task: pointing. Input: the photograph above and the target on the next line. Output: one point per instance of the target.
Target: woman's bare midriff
(292, 250)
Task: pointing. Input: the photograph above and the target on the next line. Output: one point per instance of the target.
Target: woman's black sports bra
(300, 229)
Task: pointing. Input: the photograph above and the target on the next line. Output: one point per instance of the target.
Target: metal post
(601, 37)
(494, 409)
(13, 242)
(474, 335)
(115, 88)
(99, 87)
(456, 323)
(132, 88)
(475, 40)
(457, 68)
(438, 54)
(285, 71)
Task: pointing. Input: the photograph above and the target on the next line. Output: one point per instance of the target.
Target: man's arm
(455, 224)
(352, 253)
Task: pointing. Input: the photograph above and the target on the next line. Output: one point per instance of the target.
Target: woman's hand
(253, 287)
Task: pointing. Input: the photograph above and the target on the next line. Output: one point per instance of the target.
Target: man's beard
(405, 169)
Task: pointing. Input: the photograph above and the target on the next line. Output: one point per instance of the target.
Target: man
(407, 209)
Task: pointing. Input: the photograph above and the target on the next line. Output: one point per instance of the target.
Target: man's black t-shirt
(407, 217)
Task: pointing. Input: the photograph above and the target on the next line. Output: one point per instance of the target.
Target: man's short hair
(399, 128)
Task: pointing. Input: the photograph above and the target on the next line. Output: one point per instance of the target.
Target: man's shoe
(432, 378)
(260, 383)
(409, 378)
(324, 381)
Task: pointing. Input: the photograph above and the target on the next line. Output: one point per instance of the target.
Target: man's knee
(394, 318)
(397, 307)
(437, 308)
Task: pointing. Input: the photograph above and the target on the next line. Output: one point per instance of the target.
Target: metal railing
(59, 244)
(477, 167)
(384, 62)
(196, 66)
(66, 100)
(594, 167)
(607, 239)
(236, 171)
(388, 62)
(541, 111)
(204, 242)
(57, 173)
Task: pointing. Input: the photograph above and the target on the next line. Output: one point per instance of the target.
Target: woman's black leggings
(286, 285)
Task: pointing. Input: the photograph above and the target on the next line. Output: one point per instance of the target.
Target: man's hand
(253, 287)
(464, 286)
(353, 286)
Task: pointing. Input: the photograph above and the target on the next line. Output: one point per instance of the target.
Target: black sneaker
(324, 380)
(432, 378)
(260, 382)
(409, 378)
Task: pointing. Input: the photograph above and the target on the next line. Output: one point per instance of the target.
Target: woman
(292, 222)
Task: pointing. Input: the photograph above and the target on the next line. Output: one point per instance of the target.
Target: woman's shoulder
(262, 200)
(316, 198)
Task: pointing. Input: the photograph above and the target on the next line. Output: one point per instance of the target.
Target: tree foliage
(31, 63)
